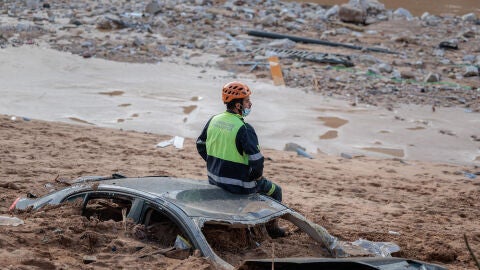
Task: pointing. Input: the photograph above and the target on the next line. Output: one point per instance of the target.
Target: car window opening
(107, 208)
(161, 229)
(235, 243)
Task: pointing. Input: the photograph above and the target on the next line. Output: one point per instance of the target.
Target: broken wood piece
(276, 70)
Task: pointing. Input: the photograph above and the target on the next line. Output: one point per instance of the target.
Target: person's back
(230, 148)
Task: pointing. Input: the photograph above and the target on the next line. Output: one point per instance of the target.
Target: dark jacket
(230, 148)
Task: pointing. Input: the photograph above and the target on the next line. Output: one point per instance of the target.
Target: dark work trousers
(267, 187)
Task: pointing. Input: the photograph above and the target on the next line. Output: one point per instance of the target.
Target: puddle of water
(416, 128)
(384, 131)
(134, 115)
(120, 120)
(113, 93)
(196, 98)
(189, 109)
(478, 158)
(125, 105)
(331, 134)
(75, 119)
(333, 122)
(387, 151)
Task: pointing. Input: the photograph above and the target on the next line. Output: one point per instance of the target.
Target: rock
(403, 13)
(419, 64)
(87, 44)
(406, 74)
(432, 77)
(332, 11)
(154, 7)
(201, 44)
(75, 21)
(470, 71)
(368, 59)
(468, 34)
(451, 44)
(439, 52)
(89, 259)
(87, 54)
(352, 14)
(159, 22)
(137, 41)
(269, 20)
(32, 4)
(110, 23)
(470, 17)
(373, 7)
(282, 43)
(385, 68)
(469, 58)
(430, 20)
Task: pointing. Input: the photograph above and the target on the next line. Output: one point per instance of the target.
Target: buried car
(194, 215)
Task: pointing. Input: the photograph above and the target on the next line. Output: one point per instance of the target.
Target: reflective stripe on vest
(221, 134)
(231, 181)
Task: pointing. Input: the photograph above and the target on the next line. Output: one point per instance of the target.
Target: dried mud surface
(423, 207)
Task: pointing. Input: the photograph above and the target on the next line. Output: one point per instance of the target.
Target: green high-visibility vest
(221, 134)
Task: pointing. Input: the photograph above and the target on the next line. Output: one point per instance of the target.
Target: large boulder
(359, 11)
(352, 14)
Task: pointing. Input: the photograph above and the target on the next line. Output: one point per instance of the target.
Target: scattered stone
(406, 74)
(470, 17)
(447, 132)
(352, 14)
(470, 71)
(282, 43)
(89, 259)
(154, 7)
(432, 77)
(451, 44)
(403, 13)
(333, 11)
(368, 59)
(385, 68)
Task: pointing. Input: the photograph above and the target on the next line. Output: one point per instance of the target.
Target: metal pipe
(315, 41)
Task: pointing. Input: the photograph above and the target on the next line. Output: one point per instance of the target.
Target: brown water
(418, 7)
(333, 122)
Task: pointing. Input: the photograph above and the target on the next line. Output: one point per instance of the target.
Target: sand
(423, 207)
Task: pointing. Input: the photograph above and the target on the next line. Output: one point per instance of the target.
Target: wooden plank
(276, 70)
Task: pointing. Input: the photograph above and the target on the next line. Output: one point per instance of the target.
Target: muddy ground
(425, 208)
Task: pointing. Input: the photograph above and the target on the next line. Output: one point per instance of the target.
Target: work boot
(274, 230)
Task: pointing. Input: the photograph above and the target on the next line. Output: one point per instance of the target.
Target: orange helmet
(234, 90)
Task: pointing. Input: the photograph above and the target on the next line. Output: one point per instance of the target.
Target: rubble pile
(434, 61)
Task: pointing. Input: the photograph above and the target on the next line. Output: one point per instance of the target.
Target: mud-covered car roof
(197, 198)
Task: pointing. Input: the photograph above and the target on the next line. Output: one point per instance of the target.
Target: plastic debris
(301, 152)
(393, 233)
(10, 221)
(382, 249)
(181, 243)
(177, 141)
(297, 148)
(470, 175)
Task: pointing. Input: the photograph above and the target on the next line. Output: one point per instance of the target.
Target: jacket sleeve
(247, 142)
(201, 142)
